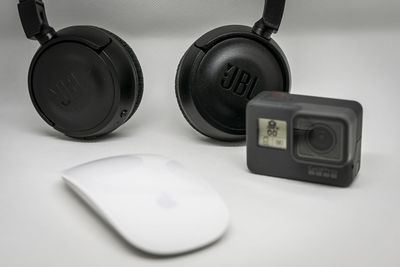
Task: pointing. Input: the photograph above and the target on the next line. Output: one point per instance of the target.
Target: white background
(342, 48)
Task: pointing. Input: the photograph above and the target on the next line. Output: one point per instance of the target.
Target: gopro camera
(304, 138)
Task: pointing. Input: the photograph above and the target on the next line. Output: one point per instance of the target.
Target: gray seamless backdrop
(166, 17)
(190, 19)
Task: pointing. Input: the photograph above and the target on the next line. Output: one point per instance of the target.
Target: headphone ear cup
(184, 98)
(138, 68)
(85, 82)
(221, 72)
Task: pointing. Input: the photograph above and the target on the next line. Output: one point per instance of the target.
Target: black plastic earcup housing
(221, 72)
(85, 82)
(138, 68)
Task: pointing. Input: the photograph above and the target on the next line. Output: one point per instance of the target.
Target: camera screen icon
(272, 133)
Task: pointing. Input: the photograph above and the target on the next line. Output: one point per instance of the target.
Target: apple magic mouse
(154, 203)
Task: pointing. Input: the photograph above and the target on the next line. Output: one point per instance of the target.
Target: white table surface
(275, 222)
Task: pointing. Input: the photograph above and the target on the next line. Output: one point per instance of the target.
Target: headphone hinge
(261, 28)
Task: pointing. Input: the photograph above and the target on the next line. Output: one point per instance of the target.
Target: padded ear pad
(85, 82)
(221, 72)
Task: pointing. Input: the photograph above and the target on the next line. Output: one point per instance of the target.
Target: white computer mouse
(154, 203)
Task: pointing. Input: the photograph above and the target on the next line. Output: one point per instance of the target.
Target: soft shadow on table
(202, 139)
(212, 142)
(117, 134)
(371, 166)
(121, 240)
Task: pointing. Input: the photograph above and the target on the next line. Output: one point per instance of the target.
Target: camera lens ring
(321, 138)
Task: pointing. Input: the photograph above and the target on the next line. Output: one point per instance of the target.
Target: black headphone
(227, 67)
(86, 82)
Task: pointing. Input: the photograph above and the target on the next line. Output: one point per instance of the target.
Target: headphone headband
(273, 13)
(272, 17)
(34, 20)
(33, 17)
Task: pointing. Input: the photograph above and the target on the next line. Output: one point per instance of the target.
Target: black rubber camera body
(304, 138)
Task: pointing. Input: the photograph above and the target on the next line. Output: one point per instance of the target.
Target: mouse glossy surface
(154, 203)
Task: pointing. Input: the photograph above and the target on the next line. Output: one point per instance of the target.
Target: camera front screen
(272, 133)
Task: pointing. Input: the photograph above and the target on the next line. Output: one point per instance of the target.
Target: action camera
(304, 138)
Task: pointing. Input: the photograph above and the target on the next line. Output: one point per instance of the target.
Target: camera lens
(321, 138)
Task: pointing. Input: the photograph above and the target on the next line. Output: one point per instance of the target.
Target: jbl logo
(66, 90)
(238, 81)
